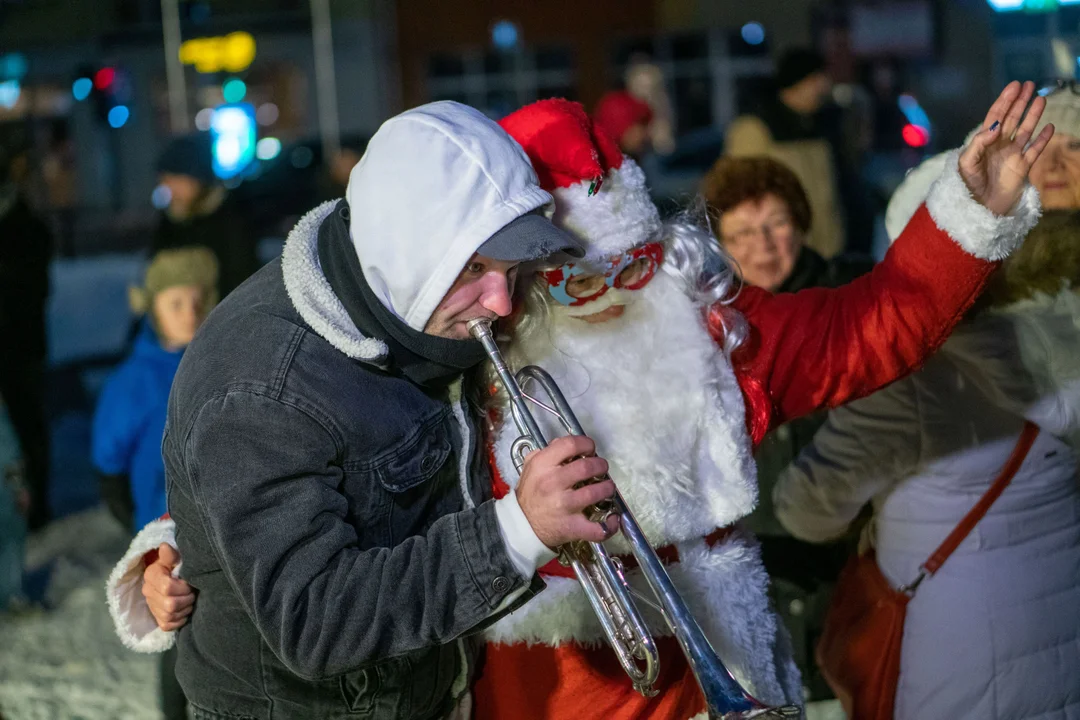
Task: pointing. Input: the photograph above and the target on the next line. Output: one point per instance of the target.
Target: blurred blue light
(233, 131)
(13, 66)
(233, 90)
(118, 116)
(753, 33)
(9, 93)
(301, 157)
(161, 197)
(504, 35)
(81, 88)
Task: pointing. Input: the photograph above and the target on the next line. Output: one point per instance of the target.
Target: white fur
(662, 402)
(619, 217)
(663, 405)
(971, 226)
(726, 589)
(134, 624)
(312, 296)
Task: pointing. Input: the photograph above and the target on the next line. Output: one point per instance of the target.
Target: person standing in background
(201, 211)
(25, 252)
(790, 126)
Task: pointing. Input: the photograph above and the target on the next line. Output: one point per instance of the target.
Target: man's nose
(496, 295)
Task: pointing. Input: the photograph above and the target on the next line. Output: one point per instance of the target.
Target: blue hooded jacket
(130, 421)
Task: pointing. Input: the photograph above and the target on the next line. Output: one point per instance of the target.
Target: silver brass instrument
(602, 576)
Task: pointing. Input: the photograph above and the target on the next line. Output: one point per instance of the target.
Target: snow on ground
(66, 663)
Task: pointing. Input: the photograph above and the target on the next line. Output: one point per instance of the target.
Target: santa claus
(631, 334)
(676, 373)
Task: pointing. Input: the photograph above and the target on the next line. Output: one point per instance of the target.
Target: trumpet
(602, 577)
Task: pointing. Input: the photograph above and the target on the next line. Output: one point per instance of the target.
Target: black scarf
(429, 361)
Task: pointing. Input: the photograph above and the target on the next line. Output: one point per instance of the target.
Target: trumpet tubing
(601, 576)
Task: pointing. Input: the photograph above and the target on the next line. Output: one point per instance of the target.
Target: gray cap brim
(527, 238)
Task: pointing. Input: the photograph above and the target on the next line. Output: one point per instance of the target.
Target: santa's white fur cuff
(974, 228)
(134, 624)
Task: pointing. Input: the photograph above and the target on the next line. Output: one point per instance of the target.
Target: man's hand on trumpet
(549, 493)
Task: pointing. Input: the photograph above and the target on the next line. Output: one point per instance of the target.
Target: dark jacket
(25, 250)
(224, 230)
(335, 518)
(130, 419)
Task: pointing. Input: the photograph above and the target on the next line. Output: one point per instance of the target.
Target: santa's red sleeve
(823, 347)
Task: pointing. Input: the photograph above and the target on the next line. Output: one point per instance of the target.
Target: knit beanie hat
(796, 65)
(176, 268)
(1062, 109)
(190, 155)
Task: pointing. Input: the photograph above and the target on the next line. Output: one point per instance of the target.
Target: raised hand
(996, 163)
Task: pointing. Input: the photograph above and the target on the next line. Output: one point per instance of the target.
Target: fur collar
(312, 296)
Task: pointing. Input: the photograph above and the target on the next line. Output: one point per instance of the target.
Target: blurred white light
(203, 118)
(267, 114)
(301, 157)
(9, 93)
(753, 33)
(229, 120)
(161, 197)
(504, 35)
(232, 130)
(1006, 4)
(268, 148)
(228, 151)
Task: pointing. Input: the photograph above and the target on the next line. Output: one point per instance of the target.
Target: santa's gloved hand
(171, 600)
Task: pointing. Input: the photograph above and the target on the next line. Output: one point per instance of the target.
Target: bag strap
(969, 521)
(965, 526)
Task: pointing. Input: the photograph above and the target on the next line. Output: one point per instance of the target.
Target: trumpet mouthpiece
(478, 328)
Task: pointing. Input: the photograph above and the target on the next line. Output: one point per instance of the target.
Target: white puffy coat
(995, 634)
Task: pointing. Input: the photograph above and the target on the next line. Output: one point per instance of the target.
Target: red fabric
(823, 347)
(570, 682)
(151, 556)
(618, 110)
(562, 143)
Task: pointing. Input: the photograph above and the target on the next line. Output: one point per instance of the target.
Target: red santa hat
(600, 195)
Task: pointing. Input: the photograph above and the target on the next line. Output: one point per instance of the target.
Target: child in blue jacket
(179, 292)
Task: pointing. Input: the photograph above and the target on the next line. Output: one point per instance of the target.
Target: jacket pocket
(418, 459)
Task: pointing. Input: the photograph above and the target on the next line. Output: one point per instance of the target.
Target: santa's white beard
(657, 395)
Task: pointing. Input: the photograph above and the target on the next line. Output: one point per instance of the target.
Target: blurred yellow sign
(231, 53)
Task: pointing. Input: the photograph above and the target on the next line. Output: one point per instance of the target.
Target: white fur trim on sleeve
(134, 624)
(974, 228)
